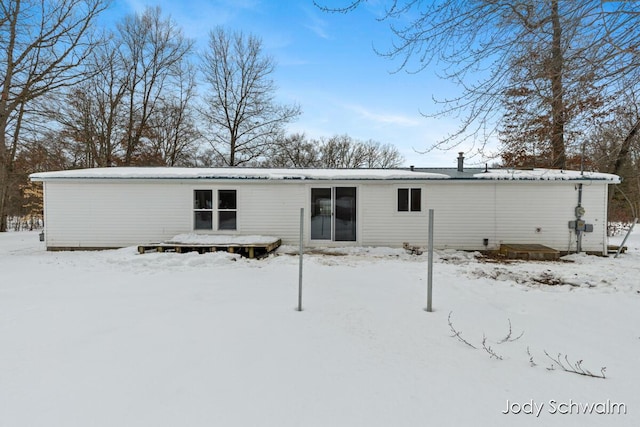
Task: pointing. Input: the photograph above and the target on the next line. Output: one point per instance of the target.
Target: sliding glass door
(333, 214)
(321, 214)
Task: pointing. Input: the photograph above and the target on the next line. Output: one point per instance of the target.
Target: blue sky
(326, 64)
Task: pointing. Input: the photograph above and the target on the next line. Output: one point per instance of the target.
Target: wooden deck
(248, 249)
(529, 252)
(613, 249)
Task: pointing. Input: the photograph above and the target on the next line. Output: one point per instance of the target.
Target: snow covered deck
(249, 246)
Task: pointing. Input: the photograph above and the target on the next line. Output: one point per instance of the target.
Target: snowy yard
(115, 338)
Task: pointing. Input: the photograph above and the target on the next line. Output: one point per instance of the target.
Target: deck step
(613, 249)
(529, 251)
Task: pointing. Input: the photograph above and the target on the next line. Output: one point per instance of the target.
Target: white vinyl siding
(515, 212)
(464, 215)
(381, 222)
(115, 213)
(535, 213)
(271, 209)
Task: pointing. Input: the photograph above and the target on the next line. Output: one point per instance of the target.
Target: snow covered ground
(115, 338)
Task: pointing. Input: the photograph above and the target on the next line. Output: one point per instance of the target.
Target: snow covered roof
(545, 175)
(235, 173)
(319, 174)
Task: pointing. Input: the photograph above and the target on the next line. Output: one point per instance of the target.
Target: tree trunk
(4, 191)
(5, 169)
(4, 119)
(4, 178)
(7, 159)
(557, 92)
(625, 147)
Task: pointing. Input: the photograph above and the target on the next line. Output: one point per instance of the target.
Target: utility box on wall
(581, 225)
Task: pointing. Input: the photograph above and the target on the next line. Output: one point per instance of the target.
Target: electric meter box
(581, 225)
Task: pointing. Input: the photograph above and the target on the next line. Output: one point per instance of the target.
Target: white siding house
(473, 210)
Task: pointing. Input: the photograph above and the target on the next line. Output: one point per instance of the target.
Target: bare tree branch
(508, 337)
(457, 334)
(576, 367)
(489, 350)
(573, 58)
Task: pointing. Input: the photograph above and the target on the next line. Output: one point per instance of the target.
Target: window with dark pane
(203, 199)
(416, 196)
(203, 209)
(227, 220)
(403, 199)
(203, 220)
(227, 210)
(226, 199)
(409, 199)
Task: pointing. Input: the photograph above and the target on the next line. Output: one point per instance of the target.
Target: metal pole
(430, 262)
(578, 218)
(625, 238)
(300, 257)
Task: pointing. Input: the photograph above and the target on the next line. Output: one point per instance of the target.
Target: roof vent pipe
(461, 161)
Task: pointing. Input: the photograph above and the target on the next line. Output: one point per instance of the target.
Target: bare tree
(154, 49)
(42, 45)
(342, 151)
(382, 156)
(293, 151)
(613, 148)
(173, 132)
(620, 24)
(339, 151)
(240, 107)
(141, 80)
(475, 44)
(81, 128)
(92, 115)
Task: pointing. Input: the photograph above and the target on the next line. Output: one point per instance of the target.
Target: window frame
(226, 210)
(205, 209)
(412, 203)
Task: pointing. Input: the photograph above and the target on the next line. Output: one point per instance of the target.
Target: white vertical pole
(300, 257)
(430, 262)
